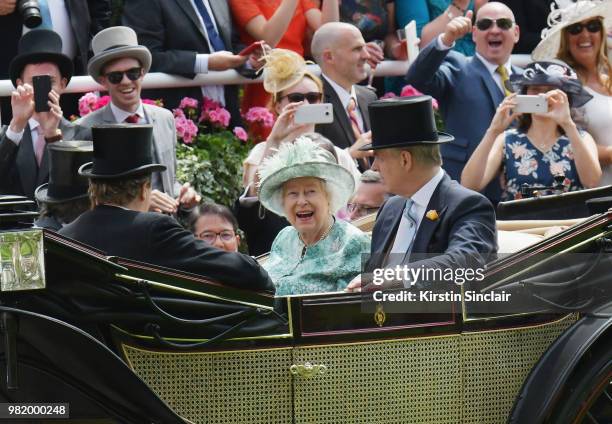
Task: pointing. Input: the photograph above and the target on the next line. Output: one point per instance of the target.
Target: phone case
(321, 113)
(42, 87)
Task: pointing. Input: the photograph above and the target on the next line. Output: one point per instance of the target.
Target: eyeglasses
(591, 26)
(502, 23)
(210, 236)
(116, 77)
(360, 210)
(311, 97)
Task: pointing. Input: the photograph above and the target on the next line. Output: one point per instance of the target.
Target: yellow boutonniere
(432, 215)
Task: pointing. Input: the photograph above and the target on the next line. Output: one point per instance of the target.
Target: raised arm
(485, 162)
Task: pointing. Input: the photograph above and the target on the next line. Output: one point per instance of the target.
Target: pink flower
(209, 104)
(219, 117)
(409, 91)
(178, 113)
(186, 129)
(102, 101)
(240, 133)
(519, 150)
(389, 95)
(260, 114)
(87, 103)
(188, 102)
(151, 102)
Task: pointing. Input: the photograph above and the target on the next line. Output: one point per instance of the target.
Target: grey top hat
(116, 43)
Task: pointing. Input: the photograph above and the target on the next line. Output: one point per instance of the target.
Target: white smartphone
(531, 104)
(320, 113)
(411, 41)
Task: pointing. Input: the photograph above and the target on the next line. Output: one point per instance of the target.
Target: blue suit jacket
(468, 97)
(462, 236)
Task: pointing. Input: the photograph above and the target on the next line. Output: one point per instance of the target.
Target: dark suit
(172, 31)
(468, 97)
(159, 240)
(86, 19)
(463, 235)
(19, 172)
(340, 131)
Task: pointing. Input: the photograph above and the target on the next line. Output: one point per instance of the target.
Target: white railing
(82, 84)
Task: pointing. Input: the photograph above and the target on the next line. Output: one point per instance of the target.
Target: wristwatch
(57, 137)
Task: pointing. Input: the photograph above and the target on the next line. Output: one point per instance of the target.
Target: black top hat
(121, 150)
(37, 46)
(554, 73)
(65, 184)
(402, 122)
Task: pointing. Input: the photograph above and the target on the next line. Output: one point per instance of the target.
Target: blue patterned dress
(327, 266)
(525, 164)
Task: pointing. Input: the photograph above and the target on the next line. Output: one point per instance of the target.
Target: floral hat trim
(282, 69)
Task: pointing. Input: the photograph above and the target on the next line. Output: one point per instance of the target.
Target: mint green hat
(303, 158)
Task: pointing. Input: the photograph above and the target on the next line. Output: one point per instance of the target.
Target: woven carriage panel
(495, 364)
(416, 381)
(225, 387)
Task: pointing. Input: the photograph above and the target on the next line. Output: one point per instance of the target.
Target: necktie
(405, 235)
(39, 145)
(46, 23)
(503, 72)
(350, 110)
(213, 36)
(132, 119)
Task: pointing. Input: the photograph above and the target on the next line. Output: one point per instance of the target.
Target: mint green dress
(327, 266)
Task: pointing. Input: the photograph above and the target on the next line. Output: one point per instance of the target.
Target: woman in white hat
(317, 253)
(577, 35)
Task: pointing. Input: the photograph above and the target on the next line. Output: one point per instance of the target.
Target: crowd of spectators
(329, 170)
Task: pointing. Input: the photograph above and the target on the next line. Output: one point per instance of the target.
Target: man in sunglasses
(119, 64)
(469, 88)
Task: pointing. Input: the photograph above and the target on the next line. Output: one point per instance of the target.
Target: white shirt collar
(422, 197)
(121, 114)
(343, 95)
(33, 123)
(492, 67)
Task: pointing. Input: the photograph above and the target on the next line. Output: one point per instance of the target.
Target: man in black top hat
(119, 224)
(64, 197)
(23, 151)
(432, 221)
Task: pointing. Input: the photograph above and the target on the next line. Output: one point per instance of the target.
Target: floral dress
(525, 164)
(326, 266)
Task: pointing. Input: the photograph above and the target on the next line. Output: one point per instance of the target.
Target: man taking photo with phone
(37, 117)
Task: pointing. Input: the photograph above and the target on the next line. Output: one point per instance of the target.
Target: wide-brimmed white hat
(116, 43)
(566, 14)
(303, 158)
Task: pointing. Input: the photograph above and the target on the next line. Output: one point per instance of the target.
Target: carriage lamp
(22, 261)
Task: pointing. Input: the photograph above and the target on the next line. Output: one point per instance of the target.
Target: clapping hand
(22, 104)
(285, 128)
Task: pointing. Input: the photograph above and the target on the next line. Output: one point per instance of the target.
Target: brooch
(432, 215)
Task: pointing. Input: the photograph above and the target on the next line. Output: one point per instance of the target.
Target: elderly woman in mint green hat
(317, 253)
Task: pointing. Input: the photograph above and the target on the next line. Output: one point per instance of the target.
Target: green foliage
(213, 165)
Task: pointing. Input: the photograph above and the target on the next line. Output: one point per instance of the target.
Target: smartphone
(42, 86)
(321, 113)
(531, 104)
(411, 41)
(250, 49)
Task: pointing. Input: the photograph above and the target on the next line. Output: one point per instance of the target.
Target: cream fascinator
(303, 158)
(283, 68)
(563, 14)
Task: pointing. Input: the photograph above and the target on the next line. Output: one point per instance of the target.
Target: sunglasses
(502, 23)
(312, 97)
(116, 77)
(591, 26)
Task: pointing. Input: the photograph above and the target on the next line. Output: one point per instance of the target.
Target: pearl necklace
(325, 234)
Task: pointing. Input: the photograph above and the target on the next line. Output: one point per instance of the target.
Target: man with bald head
(468, 89)
(340, 50)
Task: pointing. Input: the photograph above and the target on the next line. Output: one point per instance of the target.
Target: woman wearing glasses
(546, 149)
(578, 37)
(216, 225)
